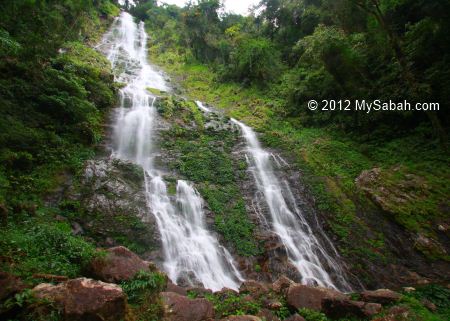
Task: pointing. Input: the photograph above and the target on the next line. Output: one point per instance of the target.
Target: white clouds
(236, 6)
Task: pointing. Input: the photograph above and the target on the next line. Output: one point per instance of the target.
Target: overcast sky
(237, 6)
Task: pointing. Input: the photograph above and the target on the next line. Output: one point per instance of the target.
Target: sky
(236, 6)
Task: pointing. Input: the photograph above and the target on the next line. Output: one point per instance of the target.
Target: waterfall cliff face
(303, 248)
(192, 254)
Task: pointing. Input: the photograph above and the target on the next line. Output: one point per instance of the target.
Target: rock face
(341, 308)
(383, 296)
(85, 299)
(118, 265)
(302, 296)
(181, 308)
(113, 203)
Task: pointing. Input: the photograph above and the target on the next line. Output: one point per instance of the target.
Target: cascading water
(192, 254)
(303, 248)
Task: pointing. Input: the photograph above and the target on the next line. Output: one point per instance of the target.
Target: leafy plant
(142, 285)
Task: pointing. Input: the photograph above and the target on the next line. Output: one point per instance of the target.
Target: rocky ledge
(122, 286)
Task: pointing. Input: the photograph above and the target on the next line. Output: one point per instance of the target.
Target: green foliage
(253, 61)
(203, 156)
(226, 304)
(43, 247)
(437, 294)
(312, 315)
(419, 312)
(143, 284)
(143, 295)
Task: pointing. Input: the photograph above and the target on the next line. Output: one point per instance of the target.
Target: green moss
(204, 157)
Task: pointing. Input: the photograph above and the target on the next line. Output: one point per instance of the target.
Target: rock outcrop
(383, 296)
(119, 264)
(85, 299)
(181, 308)
(112, 201)
(341, 308)
(302, 296)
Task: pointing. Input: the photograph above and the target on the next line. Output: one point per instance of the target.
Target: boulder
(85, 299)
(341, 308)
(9, 285)
(302, 296)
(282, 284)
(254, 288)
(118, 265)
(382, 296)
(181, 308)
(171, 287)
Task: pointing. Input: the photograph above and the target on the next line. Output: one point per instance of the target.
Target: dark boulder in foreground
(85, 299)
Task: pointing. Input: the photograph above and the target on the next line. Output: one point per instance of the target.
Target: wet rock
(302, 296)
(112, 199)
(282, 284)
(340, 308)
(171, 287)
(85, 299)
(118, 265)
(181, 308)
(254, 288)
(382, 296)
(9, 285)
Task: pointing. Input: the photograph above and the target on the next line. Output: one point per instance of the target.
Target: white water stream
(192, 254)
(303, 248)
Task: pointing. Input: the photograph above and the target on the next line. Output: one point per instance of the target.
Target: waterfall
(192, 254)
(304, 250)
